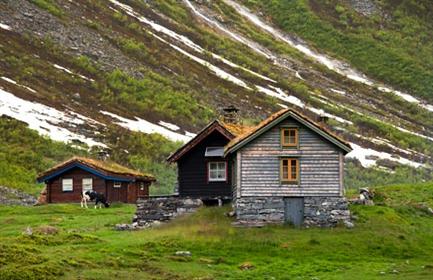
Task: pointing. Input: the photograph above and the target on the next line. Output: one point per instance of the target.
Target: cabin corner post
(341, 171)
(238, 173)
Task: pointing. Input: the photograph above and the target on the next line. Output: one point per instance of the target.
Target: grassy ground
(392, 240)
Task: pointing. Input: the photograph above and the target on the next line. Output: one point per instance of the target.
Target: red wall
(127, 193)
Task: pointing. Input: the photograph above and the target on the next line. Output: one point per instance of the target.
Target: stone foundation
(318, 211)
(162, 209)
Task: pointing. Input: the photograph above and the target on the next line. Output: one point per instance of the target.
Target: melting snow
(15, 83)
(333, 64)
(44, 119)
(147, 127)
(70, 72)
(5, 26)
(338, 91)
(366, 157)
(169, 125)
(183, 39)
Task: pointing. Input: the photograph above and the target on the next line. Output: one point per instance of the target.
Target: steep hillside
(89, 72)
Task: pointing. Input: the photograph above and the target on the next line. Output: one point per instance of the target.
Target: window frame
(282, 138)
(82, 184)
(289, 173)
(209, 179)
(72, 184)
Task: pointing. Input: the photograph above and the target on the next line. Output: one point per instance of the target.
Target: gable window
(289, 170)
(117, 184)
(289, 137)
(217, 171)
(87, 184)
(67, 185)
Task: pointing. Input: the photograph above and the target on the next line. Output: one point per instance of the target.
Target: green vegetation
(357, 176)
(394, 49)
(24, 153)
(154, 92)
(392, 240)
(50, 6)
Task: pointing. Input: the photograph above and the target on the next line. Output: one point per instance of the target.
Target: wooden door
(294, 210)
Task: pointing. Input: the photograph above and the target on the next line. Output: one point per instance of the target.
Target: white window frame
(117, 185)
(85, 183)
(209, 171)
(68, 184)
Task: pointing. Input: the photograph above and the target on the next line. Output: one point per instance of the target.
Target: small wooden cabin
(66, 182)
(288, 169)
(203, 171)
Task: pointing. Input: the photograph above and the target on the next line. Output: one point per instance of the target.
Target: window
(289, 137)
(289, 170)
(217, 171)
(67, 185)
(214, 152)
(117, 184)
(87, 184)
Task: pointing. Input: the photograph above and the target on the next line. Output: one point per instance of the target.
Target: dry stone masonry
(318, 211)
(161, 209)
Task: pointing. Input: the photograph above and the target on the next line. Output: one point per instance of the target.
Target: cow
(99, 198)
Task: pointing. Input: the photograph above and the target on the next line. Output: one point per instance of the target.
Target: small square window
(117, 184)
(67, 185)
(217, 171)
(289, 137)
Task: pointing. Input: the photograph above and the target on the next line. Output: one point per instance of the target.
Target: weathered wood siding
(319, 161)
(192, 171)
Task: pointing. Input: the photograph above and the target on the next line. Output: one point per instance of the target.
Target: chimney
(103, 155)
(230, 115)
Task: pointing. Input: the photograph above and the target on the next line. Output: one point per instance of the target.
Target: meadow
(391, 240)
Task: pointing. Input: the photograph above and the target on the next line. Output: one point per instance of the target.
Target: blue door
(294, 210)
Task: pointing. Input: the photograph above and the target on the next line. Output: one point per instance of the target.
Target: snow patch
(15, 83)
(72, 73)
(5, 26)
(366, 157)
(338, 91)
(138, 124)
(169, 125)
(44, 119)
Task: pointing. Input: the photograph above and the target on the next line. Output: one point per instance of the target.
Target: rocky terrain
(78, 70)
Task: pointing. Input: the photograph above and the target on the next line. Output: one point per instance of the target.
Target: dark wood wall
(192, 171)
(127, 193)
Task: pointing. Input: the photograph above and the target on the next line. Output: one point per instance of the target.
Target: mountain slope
(81, 71)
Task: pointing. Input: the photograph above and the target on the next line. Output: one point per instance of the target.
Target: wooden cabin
(66, 182)
(203, 171)
(288, 169)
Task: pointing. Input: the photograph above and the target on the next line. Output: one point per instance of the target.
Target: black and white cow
(99, 198)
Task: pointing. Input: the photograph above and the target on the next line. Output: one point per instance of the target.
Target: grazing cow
(84, 198)
(99, 199)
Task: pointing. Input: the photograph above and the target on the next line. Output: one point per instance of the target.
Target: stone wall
(325, 211)
(318, 211)
(163, 208)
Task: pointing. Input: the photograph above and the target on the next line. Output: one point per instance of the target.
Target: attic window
(289, 137)
(214, 152)
(117, 185)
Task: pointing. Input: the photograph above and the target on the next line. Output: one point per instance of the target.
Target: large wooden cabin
(66, 181)
(288, 169)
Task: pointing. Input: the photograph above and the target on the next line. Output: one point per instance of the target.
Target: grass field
(392, 240)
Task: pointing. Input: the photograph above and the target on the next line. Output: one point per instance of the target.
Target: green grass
(392, 240)
(393, 49)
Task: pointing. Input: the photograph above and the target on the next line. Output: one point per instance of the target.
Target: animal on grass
(99, 199)
(84, 198)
